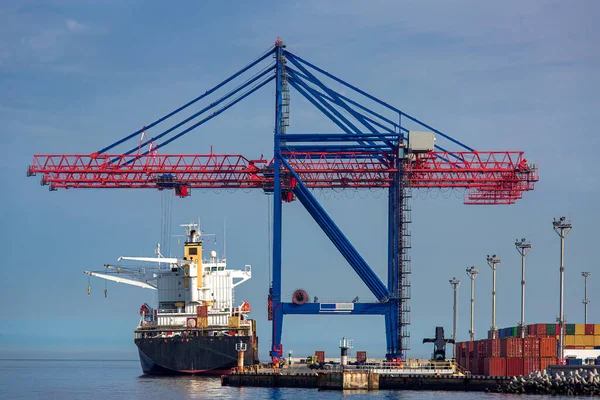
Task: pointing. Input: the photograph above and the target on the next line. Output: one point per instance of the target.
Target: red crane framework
(379, 146)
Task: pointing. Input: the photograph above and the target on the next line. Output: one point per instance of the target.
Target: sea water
(107, 380)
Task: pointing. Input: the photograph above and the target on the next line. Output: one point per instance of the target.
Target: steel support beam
(336, 308)
(277, 316)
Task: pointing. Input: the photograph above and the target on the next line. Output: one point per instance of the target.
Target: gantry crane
(377, 146)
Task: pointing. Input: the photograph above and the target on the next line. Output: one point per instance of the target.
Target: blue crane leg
(277, 316)
(392, 320)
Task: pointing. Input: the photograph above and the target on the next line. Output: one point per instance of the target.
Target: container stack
(509, 356)
(582, 336)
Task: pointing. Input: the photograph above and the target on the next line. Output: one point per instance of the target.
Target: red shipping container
(473, 366)
(470, 346)
(492, 348)
(480, 348)
(465, 364)
(589, 329)
(514, 366)
(531, 347)
(494, 366)
(530, 364)
(320, 355)
(540, 329)
(531, 330)
(361, 356)
(511, 347)
(480, 365)
(548, 347)
(547, 361)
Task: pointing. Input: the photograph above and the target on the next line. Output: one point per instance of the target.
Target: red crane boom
(489, 177)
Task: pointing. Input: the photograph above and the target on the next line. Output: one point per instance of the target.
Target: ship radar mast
(192, 233)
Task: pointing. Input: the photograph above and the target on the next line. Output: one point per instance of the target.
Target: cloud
(74, 26)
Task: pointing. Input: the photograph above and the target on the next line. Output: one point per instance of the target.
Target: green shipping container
(514, 331)
(550, 329)
(570, 329)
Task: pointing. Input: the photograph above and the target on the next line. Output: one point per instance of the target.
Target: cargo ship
(195, 329)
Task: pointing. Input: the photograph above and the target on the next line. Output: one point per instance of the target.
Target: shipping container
(540, 329)
(531, 347)
(548, 347)
(530, 330)
(361, 356)
(589, 329)
(514, 366)
(569, 329)
(545, 362)
(480, 348)
(580, 329)
(465, 364)
(480, 365)
(574, 361)
(579, 340)
(570, 340)
(494, 366)
(493, 348)
(320, 354)
(511, 347)
(514, 331)
(552, 329)
(596, 340)
(596, 329)
(588, 341)
(530, 364)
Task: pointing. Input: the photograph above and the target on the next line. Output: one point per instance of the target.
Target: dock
(364, 380)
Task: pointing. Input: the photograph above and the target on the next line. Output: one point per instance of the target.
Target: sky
(78, 75)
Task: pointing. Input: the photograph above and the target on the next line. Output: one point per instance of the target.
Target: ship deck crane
(376, 145)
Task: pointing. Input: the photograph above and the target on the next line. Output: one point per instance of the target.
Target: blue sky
(76, 76)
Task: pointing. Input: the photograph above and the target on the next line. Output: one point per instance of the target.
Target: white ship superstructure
(193, 292)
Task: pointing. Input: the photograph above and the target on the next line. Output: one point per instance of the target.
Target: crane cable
(208, 92)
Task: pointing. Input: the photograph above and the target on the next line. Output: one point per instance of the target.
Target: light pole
(586, 301)
(523, 247)
(454, 282)
(492, 261)
(562, 227)
(472, 272)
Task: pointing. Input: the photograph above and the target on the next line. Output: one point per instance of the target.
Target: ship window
(193, 251)
(214, 268)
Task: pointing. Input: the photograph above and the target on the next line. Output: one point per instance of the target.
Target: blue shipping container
(575, 361)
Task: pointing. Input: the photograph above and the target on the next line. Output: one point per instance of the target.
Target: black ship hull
(195, 355)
